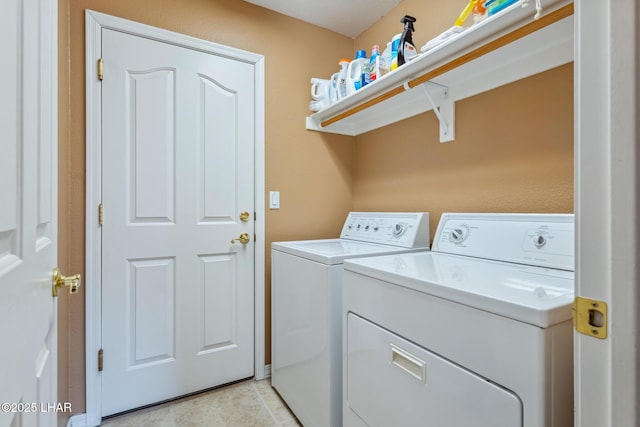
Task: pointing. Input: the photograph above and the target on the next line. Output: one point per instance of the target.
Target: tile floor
(245, 404)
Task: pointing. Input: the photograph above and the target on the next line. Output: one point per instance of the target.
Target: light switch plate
(274, 200)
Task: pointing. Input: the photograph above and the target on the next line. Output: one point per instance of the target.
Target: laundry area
(475, 328)
(396, 202)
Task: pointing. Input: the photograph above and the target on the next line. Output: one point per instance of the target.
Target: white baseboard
(81, 420)
(267, 371)
(78, 420)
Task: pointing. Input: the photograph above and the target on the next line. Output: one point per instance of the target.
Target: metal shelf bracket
(444, 109)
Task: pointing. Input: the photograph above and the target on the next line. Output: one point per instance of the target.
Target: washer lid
(335, 251)
(536, 295)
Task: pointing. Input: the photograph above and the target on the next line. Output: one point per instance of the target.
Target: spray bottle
(342, 78)
(407, 51)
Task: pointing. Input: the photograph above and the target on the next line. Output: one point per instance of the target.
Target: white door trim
(95, 22)
(607, 96)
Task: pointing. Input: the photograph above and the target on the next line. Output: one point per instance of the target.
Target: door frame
(607, 98)
(95, 22)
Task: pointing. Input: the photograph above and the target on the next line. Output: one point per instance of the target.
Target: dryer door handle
(409, 363)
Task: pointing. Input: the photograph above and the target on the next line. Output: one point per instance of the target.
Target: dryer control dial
(399, 229)
(539, 241)
(459, 234)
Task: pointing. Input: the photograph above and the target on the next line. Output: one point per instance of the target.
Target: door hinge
(590, 317)
(100, 69)
(100, 360)
(255, 216)
(255, 238)
(100, 214)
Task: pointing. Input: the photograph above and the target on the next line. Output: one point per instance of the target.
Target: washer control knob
(458, 234)
(539, 241)
(399, 229)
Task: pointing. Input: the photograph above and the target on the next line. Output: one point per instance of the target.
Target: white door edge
(95, 22)
(606, 205)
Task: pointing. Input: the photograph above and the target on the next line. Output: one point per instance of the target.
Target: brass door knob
(244, 239)
(244, 216)
(60, 281)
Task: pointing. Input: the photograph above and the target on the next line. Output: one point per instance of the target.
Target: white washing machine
(306, 298)
(477, 332)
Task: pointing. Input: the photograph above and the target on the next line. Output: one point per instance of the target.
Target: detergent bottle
(320, 89)
(334, 87)
(320, 94)
(385, 61)
(374, 64)
(355, 72)
(395, 46)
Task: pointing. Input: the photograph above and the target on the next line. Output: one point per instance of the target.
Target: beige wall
(513, 149)
(312, 171)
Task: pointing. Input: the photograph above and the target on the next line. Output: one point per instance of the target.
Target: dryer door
(390, 381)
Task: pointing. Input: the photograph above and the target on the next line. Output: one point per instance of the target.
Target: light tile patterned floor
(248, 403)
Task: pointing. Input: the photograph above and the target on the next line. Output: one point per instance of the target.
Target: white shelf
(503, 48)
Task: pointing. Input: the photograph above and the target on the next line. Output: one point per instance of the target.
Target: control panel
(545, 240)
(408, 230)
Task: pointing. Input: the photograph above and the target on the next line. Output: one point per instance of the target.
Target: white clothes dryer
(476, 332)
(306, 298)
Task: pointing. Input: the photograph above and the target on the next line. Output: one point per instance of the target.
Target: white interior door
(177, 173)
(28, 228)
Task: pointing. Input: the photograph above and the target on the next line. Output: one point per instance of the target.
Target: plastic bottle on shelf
(320, 94)
(342, 78)
(407, 50)
(479, 12)
(366, 73)
(355, 72)
(395, 44)
(374, 64)
(385, 61)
